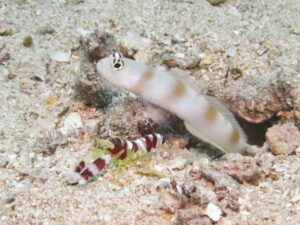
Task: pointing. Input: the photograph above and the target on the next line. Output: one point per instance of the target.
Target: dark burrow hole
(256, 131)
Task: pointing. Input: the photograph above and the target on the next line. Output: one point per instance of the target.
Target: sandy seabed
(261, 38)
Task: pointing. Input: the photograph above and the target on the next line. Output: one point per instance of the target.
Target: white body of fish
(204, 116)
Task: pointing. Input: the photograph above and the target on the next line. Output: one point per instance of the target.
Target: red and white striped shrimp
(87, 168)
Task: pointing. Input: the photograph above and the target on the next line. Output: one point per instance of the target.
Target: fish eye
(117, 64)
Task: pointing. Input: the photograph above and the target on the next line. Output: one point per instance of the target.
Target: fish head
(120, 71)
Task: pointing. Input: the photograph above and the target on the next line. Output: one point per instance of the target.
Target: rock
(179, 164)
(213, 212)
(225, 221)
(243, 169)
(233, 203)
(228, 199)
(189, 187)
(292, 116)
(71, 123)
(97, 45)
(202, 196)
(216, 2)
(133, 40)
(261, 108)
(60, 56)
(263, 157)
(127, 119)
(144, 55)
(90, 87)
(283, 139)
(135, 46)
(271, 94)
(192, 216)
(218, 178)
(171, 203)
(92, 93)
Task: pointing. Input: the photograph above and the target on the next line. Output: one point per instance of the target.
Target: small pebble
(133, 40)
(295, 195)
(213, 212)
(61, 56)
(37, 78)
(178, 142)
(23, 81)
(6, 32)
(165, 155)
(11, 76)
(27, 41)
(171, 203)
(189, 187)
(179, 164)
(225, 221)
(72, 122)
(46, 30)
(191, 216)
(216, 2)
(162, 183)
(52, 99)
(207, 60)
(298, 151)
(2, 185)
(236, 73)
(96, 45)
(31, 155)
(180, 55)
(4, 55)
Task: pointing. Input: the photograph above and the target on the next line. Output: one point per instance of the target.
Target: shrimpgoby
(204, 116)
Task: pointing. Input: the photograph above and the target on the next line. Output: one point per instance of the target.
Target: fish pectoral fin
(201, 136)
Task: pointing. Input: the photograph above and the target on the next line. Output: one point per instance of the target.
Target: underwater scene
(154, 112)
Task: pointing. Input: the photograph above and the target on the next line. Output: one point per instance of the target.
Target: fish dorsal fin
(226, 113)
(185, 78)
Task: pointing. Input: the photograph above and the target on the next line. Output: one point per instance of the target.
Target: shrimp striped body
(90, 166)
(204, 116)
